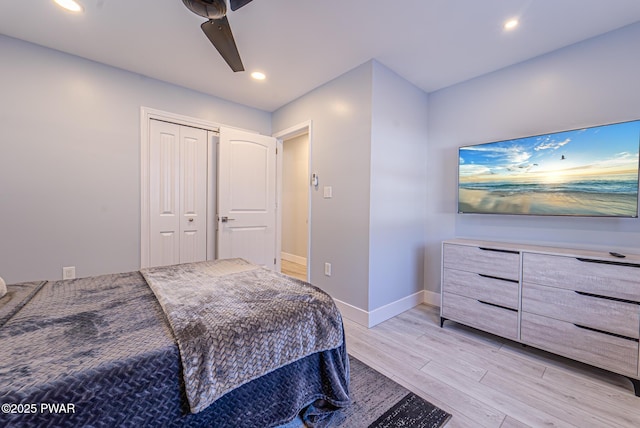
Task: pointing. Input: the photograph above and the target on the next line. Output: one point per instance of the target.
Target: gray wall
(590, 83)
(369, 144)
(70, 159)
(398, 188)
(341, 138)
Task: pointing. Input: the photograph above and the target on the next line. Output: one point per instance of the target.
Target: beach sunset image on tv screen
(584, 172)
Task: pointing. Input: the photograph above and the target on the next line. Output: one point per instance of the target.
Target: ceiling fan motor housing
(211, 9)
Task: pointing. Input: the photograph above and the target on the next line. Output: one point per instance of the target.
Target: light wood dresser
(584, 305)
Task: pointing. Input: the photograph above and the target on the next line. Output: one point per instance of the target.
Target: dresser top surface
(527, 248)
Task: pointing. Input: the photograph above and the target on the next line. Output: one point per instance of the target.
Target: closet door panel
(193, 194)
(164, 191)
(178, 194)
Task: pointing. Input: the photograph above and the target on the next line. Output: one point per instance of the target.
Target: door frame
(146, 115)
(286, 134)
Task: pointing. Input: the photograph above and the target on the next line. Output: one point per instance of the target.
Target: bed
(126, 350)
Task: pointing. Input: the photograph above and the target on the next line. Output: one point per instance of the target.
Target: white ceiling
(301, 44)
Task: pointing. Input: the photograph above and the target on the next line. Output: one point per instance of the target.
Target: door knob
(225, 219)
(190, 220)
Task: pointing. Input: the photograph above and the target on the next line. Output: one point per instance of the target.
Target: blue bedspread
(102, 347)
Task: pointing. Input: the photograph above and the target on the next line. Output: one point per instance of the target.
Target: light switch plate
(328, 192)
(327, 269)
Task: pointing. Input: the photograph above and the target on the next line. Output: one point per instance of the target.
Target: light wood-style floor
(486, 381)
(294, 269)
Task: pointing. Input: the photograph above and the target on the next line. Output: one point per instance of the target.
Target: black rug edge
(442, 416)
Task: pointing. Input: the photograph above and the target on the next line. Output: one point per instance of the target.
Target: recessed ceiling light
(511, 24)
(258, 75)
(70, 5)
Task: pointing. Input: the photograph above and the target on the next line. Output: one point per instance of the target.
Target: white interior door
(178, 194)
(247, 197)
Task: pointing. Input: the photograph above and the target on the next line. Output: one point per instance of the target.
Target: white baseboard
(353, 313)
(392, 309)
(431, 298)
(293, 258)
(383, 313)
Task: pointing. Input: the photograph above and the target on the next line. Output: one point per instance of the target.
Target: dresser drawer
(471, 312)
(564, 338)
(566, 305)
(489, 261)
(587, 275)
(493, 290)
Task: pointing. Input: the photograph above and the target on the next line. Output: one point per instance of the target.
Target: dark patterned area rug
(412, 411)
(379, 402)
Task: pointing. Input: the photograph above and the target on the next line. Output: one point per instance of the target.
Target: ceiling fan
(217, 28)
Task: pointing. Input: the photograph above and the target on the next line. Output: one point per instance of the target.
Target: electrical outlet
(327, 269)
(69, 272)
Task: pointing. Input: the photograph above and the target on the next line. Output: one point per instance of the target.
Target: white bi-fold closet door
(178, 193)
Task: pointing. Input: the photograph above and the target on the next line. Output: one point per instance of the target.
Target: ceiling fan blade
(237, 4)
(219, 33)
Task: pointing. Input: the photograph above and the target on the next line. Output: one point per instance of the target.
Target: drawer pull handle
(608, 262)
(499, 251)
(497, 306)
(606, 332)
(497, 277)
(615, 299)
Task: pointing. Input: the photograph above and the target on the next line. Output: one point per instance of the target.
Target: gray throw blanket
(235, 322)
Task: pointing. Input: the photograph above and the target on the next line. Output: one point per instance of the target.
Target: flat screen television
(583, 172)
